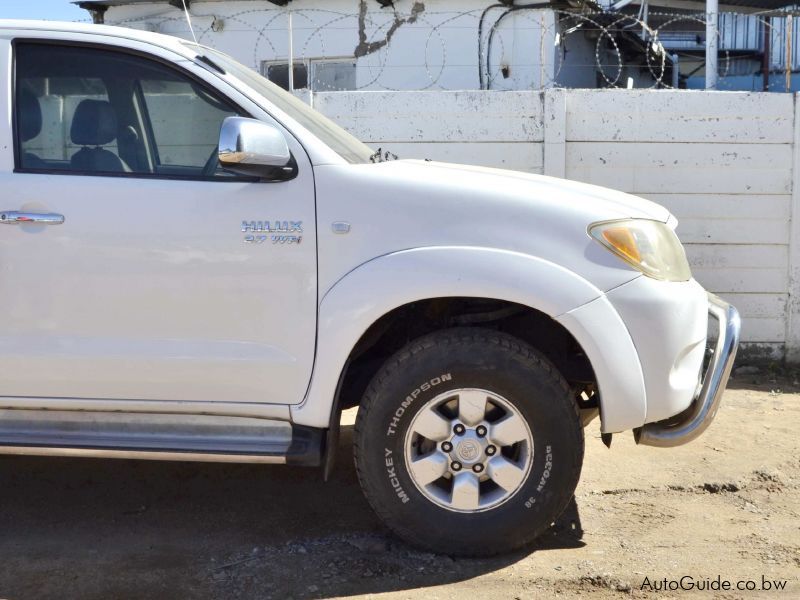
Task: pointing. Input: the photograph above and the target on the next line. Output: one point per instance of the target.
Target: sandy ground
(726, 505)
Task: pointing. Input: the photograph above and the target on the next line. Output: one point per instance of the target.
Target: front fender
(385, 283)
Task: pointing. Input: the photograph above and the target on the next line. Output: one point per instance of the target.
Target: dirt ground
(726, 505)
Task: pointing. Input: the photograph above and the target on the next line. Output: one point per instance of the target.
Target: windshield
(328, 132)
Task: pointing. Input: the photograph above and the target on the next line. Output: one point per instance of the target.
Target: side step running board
(158, 437)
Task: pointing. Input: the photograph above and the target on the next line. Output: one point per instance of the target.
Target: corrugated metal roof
(762, 4)
(740, 6)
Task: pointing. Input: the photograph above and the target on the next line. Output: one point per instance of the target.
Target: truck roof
(158, 39)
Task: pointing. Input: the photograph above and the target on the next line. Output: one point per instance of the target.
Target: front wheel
(468, 442)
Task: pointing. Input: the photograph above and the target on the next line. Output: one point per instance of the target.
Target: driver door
(149, 289)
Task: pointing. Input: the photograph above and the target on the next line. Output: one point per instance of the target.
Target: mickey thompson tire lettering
(391, 469)
(468, 358)
(413, 396)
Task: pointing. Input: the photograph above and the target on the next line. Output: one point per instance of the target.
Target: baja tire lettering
(548, 466)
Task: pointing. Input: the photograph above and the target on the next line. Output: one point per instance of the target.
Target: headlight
(649, 246)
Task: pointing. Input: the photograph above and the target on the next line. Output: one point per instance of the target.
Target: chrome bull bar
(695, 420)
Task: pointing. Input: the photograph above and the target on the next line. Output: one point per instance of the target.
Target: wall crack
(364, 47)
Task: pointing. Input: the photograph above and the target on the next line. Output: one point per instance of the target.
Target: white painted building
(412, 45)
(433, 44)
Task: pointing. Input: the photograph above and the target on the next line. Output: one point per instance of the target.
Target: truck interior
(88, 110)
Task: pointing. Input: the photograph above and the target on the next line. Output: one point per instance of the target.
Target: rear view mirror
(254, 148)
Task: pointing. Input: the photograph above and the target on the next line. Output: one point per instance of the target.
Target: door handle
(13, 217)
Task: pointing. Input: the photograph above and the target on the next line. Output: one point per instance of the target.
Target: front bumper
(692, 422)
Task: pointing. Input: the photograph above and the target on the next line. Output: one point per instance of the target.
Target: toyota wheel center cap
(468, 448)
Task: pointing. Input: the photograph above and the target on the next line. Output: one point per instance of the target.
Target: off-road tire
(456, 359)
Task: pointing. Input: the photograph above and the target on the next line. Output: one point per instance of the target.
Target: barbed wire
(529, 49)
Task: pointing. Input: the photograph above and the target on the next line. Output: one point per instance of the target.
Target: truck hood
(559, 190)
(405, 204)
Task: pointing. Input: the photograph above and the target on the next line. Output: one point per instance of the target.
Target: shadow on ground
(764, 380)
(136, 529)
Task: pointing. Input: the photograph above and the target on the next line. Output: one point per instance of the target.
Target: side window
(46, 108)
(93, 111)
(185, 121)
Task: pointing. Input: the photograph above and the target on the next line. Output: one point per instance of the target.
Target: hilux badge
(277, 232)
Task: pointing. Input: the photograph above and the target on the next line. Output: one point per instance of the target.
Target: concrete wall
(726, 164)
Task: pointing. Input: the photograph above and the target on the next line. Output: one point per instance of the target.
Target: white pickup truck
(195, 265)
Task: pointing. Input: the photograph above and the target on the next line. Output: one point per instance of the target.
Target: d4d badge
(277, 232)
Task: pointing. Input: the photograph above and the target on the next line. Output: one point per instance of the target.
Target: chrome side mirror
(254, 148)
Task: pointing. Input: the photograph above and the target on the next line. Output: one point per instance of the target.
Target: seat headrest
(94, 123)
(30, 115)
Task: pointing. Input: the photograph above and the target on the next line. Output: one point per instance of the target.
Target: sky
(54, 10)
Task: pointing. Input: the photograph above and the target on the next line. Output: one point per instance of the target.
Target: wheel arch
(429, 287)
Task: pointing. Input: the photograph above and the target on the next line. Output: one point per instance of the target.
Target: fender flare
(376, 287)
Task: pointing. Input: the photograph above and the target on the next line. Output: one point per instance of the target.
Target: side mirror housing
(256, 149)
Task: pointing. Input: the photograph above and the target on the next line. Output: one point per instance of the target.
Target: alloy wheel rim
(468, 450)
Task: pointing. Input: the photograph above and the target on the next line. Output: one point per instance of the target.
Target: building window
(333, 75)
(278, 73)
(320, 75)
